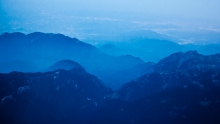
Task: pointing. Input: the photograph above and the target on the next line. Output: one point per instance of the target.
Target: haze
(187, 8)
(98, 19)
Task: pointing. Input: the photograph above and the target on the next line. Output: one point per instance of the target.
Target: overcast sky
(208, 9)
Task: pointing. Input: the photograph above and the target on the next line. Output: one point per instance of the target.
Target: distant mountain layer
(151, 46)
(148, 49)
(37, 51)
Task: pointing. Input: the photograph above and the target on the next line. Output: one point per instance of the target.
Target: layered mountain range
(181, 88)
(151, 46)
(37, 51)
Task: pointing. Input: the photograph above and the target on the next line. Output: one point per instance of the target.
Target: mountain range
(177, 70)
(37, 51)
(152, 46)
(181, 88)
(60, 96)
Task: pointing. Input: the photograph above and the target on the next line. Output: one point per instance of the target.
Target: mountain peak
(192, 52)
(64, 64)
(51, 35)
(185, 61)
(179, 55)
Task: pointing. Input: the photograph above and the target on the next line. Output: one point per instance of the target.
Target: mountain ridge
(180, 95)
(44, 49)
(60, 96)
(177, 70)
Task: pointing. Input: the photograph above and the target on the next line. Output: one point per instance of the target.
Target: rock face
(59, 96)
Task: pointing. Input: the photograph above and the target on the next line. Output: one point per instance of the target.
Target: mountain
(49, 48)
(43, 49)
(188, 61)
(145, 34)
(152, 46)
(147, 49)
(127, 35)
(177, 70)
(64, 64)
(132, 73)
(181, 88)
(179, 105)
(37, 51)
(60, 96)
(115, 75)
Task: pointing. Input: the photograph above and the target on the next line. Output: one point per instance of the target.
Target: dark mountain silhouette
(177, 70)
(180, 105)
(181, 88)
(119, 78)
(190, 60)
(59, 96)
(42, 50)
